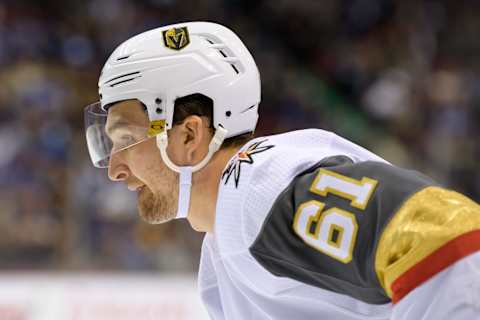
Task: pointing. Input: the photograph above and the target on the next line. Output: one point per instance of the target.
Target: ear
(194, 138)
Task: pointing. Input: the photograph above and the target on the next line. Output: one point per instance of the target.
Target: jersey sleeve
(368, 230)
(453, 293)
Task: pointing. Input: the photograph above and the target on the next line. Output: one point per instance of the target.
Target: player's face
(140, 166)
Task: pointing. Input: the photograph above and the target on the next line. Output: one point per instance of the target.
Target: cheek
(147, 166)
(139, 161)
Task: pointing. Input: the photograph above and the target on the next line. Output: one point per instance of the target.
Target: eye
(123, 142)
(127, 139)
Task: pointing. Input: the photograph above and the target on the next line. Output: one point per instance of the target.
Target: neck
(205, 184)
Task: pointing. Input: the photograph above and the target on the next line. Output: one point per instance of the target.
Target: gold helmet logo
(156, 127)
(176, 38)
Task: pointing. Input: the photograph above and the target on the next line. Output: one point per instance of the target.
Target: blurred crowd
(400, 77)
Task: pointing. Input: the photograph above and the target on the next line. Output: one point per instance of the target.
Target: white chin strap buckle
(185, 179)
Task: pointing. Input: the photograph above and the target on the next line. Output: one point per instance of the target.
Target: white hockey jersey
(311, 226)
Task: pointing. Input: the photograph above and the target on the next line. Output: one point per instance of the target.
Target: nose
(117, 171)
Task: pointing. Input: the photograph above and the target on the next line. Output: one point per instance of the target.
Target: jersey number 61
(333, 231)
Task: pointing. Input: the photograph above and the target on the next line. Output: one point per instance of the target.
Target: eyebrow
(115, 126)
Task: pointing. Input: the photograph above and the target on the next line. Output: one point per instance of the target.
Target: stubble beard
(156, 208)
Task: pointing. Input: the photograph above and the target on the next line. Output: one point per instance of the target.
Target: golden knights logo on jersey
(245, 156)
(176, 38)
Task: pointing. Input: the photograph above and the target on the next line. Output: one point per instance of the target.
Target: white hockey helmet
(158, 66)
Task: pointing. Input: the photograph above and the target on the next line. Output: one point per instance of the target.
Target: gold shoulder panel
(425, 222)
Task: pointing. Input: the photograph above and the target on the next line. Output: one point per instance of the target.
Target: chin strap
(185, 180)
(185, 185)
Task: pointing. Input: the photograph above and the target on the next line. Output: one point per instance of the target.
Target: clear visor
(102, 144)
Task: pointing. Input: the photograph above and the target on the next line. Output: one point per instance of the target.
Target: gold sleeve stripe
(439, 260)
(427, 221)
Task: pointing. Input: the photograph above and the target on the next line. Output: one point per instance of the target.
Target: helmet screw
(158, 101)
(228, 113)
(159, 110)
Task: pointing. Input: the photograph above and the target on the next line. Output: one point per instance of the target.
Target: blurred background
(400, 77)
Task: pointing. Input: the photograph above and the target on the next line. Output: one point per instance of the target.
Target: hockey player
(301, 225)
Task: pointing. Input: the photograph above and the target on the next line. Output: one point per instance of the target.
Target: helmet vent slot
(234, 68)
(123, 58)
(249, 108)
(222, 52)
(123, 76)
(123, 81)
